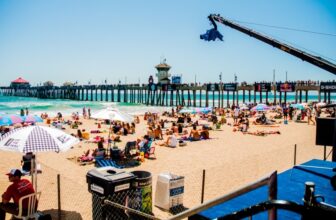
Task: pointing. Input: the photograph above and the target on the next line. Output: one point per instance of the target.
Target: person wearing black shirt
(26, 161)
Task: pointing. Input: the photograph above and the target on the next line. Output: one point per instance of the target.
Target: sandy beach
(231, 160)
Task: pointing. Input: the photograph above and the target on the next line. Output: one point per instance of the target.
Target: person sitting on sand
(194, 134)
(79, 134)
(205, 133)
(174, 128)
(115, 137)
(137, 119)
(180, 128)
(262, 133)
(87, 156)
(132, 128)
(171, 140)
(150, 132)
(158, 132)
(100, 150)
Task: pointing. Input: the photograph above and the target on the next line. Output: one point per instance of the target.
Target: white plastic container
(169, 191)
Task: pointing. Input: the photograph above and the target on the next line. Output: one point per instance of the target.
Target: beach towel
(120, 164)
(105, 163)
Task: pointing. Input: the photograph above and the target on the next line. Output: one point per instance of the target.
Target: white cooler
(169, 191)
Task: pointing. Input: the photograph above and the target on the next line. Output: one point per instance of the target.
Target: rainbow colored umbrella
(32, 119)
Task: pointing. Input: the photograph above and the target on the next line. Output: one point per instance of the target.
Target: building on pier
(162, 74)
(20, 83)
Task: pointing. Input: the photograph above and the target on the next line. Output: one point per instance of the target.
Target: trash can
(111, 184)
(169, 191)
(141, 199)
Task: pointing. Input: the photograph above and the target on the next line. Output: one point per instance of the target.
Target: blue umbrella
(298, 106)
(261, 107)
(4, 120)
(196, 110)
(32, 118)
(187, 110)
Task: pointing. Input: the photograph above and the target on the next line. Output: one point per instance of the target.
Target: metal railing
(269, 180)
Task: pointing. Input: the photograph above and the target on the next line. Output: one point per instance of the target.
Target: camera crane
(213, 33)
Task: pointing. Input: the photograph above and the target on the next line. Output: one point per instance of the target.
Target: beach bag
(182, 143)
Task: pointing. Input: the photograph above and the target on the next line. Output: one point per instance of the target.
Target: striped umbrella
(32, 119)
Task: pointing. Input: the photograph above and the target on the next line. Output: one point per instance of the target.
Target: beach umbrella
(244, 107)
(260, 107)
(32, 119)
(10, 119)
(187, 110)
(113, 114)
(298, 106)
(320, 104)
(5, 121)
(204, 110)
(36, 139)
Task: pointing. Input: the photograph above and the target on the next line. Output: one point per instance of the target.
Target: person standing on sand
(310, 116)
(84, 112)
(89, 112)
(22, 112)
(235, 115)
(285, 112)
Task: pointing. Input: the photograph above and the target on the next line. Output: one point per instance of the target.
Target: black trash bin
(111, 184)
(141, 198)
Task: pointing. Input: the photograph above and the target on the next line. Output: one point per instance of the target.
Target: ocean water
(13, 104)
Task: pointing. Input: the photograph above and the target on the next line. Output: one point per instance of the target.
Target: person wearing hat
(18, 188)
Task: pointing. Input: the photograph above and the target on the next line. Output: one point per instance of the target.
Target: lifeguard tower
(163, 75)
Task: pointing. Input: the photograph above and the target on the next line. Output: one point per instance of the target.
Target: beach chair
(32, 201)
(130, 150)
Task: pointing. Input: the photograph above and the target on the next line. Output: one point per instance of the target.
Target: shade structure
(32, 119)
(260, 107)
(36, 139)
(113, 114)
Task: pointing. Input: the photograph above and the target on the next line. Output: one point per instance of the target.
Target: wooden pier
(215, 95)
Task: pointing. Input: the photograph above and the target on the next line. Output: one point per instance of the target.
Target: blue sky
(82, 40)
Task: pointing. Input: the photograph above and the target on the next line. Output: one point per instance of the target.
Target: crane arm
(315, 60)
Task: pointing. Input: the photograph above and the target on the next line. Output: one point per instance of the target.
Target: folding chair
(32, 201)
